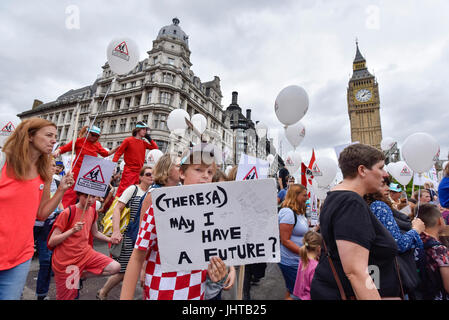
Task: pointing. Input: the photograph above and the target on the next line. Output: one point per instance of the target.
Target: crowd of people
(373, 241)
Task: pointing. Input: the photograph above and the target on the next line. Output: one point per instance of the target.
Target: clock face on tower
(363, 95)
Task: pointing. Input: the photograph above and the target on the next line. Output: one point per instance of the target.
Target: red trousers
(130, 176)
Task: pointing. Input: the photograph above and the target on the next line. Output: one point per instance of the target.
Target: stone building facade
(160, 83)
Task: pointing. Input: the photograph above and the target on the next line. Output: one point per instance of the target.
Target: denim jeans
(12, 281)
(44, 275)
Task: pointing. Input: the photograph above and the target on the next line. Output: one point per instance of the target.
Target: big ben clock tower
(364, 104)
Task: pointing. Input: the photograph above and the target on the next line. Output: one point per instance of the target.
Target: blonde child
(309, 254)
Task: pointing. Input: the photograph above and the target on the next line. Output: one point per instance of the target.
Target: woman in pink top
(25, 179)
(309, 254)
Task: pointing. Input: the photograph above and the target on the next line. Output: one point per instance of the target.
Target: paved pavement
(271, 287)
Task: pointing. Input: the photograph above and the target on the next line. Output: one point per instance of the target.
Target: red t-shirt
(89, 148)
(75, 250)
(134, 150)
(19, 203)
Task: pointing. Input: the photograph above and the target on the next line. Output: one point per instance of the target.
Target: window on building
(160, 121)
(113, 126)
(149, 97)
(165, 97)
(133, 122)
(171, 61)
(162, 145)
(168, 78)
(127, 103)
(109, 145)
(117, 104)
(145, 118)
(137, 101)
(152, 76)
(122, 125)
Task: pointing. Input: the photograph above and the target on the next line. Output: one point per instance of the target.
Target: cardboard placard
(236, 221)
(94, 176)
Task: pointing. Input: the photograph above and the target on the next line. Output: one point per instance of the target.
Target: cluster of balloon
(420, 150)
(400, 171)
(123, 55)
(153, 157)
(290, 106)
(261, 130)
(176, 121)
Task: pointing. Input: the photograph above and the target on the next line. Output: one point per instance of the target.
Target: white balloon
(97, 205)
(401, 172)
(228, 170)
(176, 119)
(419, 150)
(320, 192)
(270, 159)
(324, 171)
(293, 161)
(199, 122)
(291, 105)
(123, 55)
(387, 143)
(295, 134)
(261, 130)
(154, 156)
(388, 167)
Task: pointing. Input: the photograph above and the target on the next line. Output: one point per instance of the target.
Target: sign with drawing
(252, 168)
(94, 176)
(235, 221)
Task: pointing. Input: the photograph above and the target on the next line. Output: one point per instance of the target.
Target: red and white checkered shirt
(168, 285)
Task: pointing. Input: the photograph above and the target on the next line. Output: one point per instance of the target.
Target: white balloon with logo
(419, 151)
(401, 172)
(291, 104)
(153, 157)
(176, 120)
(295, 134)
(324, 171)
(293, 162)
(270, 159)
(122, 55)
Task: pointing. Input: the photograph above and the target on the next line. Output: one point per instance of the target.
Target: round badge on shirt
(41, 187)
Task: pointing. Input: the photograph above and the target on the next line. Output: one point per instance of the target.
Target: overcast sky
(256, 48)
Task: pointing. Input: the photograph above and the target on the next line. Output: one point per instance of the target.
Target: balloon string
(95, 118)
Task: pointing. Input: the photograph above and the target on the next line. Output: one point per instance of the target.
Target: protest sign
(94, 176)
(252, 168)
(235, 221)
(6, 130)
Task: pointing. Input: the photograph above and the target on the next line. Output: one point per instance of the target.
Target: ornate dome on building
(174, 32)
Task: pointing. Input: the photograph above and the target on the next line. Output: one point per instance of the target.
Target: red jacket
(134, 152)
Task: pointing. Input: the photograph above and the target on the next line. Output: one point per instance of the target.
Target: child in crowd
(433, 260)
(73, 255)
(309, 254)
(189, 285)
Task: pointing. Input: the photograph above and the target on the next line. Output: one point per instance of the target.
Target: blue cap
(142, 125)
(395, 187)
(94, 129)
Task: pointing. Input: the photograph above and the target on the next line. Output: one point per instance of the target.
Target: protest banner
(6, 130)
(252, 168)
(235, 221)
(94, 176)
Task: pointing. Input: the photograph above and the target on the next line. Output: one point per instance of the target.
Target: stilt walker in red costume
(88, 145)
(133, 149)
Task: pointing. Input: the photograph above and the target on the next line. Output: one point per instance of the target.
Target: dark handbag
(408, 270)
(340, 287)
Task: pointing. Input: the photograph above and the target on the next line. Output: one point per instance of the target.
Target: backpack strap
(134, 194)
